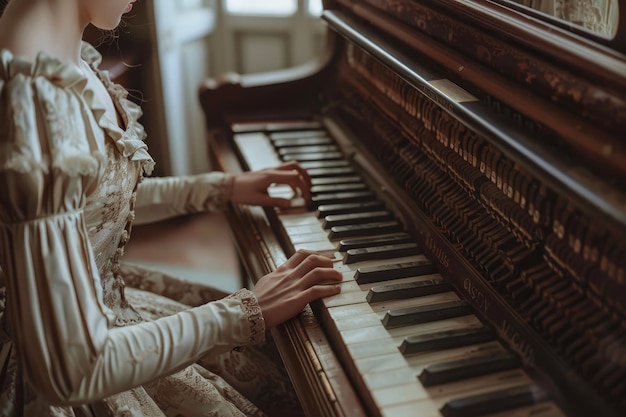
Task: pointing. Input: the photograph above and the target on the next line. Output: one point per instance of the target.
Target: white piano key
(348, 276)
(398, 394)
(322, 247)
(371, 334)
(398, 376)
(350, 310)
(417, 362)
(349, 285)
(382, 363)
(393, 378)
(257, 150)
(296, 219)
(365, 350)
(350, 304)
(302, 229)
(382, 307)
(384, 344)
(358, 322)
(311, 236)
(281, 191)
(544, 409)
(344, 298)
(429, 406)
(340, 266)
(408, 409)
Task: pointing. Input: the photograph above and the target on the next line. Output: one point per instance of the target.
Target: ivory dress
(80, 333)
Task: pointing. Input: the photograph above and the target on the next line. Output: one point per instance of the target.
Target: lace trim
(227, 187)
(253, 311)
(220, 190)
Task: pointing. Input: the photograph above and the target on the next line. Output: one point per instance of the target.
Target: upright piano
(469, 180)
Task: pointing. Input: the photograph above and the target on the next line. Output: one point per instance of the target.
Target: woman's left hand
(252, 187)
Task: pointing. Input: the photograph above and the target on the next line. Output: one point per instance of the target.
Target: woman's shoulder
(43, 101)
(18, 69)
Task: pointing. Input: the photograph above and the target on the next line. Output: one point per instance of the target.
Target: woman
(74, 339)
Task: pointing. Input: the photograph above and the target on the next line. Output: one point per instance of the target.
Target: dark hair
(3, 5)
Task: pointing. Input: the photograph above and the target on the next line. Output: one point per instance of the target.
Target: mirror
(600, 17)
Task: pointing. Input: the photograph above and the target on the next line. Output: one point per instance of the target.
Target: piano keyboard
(410, 344)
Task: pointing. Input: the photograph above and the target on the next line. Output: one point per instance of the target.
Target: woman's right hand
(304, 277)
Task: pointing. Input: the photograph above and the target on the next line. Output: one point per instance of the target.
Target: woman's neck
(50, 26)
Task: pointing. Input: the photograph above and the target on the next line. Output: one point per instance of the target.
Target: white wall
(196, 39)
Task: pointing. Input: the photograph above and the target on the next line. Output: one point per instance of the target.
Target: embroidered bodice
(71, 182)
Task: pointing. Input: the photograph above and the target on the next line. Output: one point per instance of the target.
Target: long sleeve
(51, 159)
(166, 197)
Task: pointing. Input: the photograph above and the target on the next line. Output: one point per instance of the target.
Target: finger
(295, 165)
(297, 258)
(268, 201)
(304, 177)
(310, 263)
(320, 291)
(306, 180)
(321, 276)
(293, 180)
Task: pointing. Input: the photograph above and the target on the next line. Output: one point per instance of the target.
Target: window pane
(315, 7)
(274, 7)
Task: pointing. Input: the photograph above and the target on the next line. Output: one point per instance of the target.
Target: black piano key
(324, 210)
(336, 180)
(338, 232)
(314, 141)
(381, 252)
(356, 218)
(443, 373)
(371, 274)
(407, 290)
(426, 314)
(448, 339)
(338, 188)
(394, 239)
(318, 156)
(297, 134)
(340, 163)
(489, 403)
(347, 197)
(288, 150)
(330, 172)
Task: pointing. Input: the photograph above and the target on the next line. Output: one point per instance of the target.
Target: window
(274, 7)
(315, 7)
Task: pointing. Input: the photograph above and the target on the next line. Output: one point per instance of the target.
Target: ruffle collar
(129, 141)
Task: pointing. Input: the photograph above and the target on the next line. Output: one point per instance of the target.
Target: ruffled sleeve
(163, 198)
(51, 158)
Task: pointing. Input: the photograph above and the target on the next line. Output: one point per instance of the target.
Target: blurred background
(164, 49)
(162, 52)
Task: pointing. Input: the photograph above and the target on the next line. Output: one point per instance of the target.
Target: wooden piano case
(525, 118)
